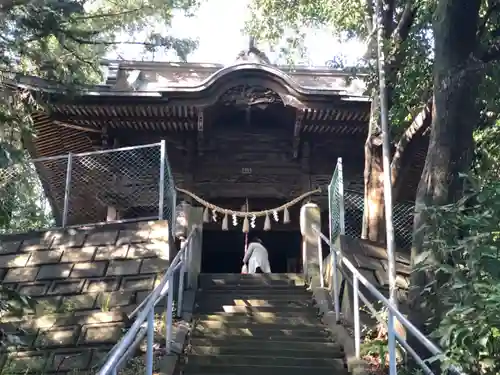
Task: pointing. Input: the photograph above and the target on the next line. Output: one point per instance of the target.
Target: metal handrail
(144, 323)
(338, 258)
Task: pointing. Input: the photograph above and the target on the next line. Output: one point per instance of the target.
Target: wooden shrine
(250, 130)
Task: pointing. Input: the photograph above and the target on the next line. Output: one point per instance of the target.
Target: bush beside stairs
(259, 324)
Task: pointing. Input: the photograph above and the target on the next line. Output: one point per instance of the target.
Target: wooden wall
(219, 173)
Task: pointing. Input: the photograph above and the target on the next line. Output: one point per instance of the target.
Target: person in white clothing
(256, 257)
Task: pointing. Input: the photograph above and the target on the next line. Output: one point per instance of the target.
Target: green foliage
(487, 150)
(63, 40)
(463, 254)
(13, 303)
(283, 24)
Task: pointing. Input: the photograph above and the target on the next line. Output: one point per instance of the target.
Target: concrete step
(262, 370)
(217, 321)
(273, 332)
(250, 288)
(321, 345)
(250, 279)
(288, 311)
(280, 350)
(257, 294)
(252, 311)
(265, 291)
(216, 304)
(253, 361)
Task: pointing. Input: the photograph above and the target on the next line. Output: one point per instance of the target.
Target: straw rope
(226, 211)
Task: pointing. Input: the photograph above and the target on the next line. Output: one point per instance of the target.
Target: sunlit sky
(218, 26)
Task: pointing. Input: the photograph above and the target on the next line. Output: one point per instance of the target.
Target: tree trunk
(373, 228)
(450, 148)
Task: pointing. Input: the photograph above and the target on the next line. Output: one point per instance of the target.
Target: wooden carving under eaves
(199, 132)
(245, 96)
(299, 117)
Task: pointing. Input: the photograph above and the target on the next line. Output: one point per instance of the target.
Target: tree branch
(368, 5)
(405, 23)
(491, 53)
(388, 7)
(492, 7)
(420, 122)
(117, 14)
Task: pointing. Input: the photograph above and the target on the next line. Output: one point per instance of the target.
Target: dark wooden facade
(245, 131)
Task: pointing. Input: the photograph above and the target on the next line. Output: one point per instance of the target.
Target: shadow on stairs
(258, 324)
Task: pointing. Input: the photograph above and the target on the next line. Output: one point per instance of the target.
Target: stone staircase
(259, 324)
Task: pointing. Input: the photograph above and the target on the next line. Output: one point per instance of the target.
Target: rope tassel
(206, 215)
(286, 216)
(267, 223)
(245, 225)
(224, 223)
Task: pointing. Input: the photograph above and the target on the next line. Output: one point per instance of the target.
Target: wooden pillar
(189, 166)
(112, 213)
(305, 166)
(310, 215)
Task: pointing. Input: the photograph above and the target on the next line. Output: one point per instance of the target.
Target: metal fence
(124, 184)
(346, 212)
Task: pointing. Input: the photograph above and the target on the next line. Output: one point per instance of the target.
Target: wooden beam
(299, 117)
(200, 134)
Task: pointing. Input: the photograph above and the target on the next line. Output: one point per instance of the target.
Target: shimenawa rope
(247, 214)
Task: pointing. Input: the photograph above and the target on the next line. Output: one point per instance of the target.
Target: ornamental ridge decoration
(248, 96)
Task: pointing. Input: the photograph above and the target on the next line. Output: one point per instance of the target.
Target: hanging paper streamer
(224, 223)
(214, 215)
(235, 221)
(267, 223)
(245, 225)
(252, 221)
(276, 216)
(206, 215)
(286, 216)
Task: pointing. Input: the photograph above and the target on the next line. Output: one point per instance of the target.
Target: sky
(218, 25)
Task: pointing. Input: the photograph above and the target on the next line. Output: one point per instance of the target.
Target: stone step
(217, 304)
(250, 288)
(288, 311)
(247, 360)
(257, 294)
(260, 312)
(250, 279)
(273, 332)
(262, 370)
(283, 349)
(321, 345)
(219, 321)
(259, 291)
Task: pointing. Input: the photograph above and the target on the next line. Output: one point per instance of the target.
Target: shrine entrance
(223, 251)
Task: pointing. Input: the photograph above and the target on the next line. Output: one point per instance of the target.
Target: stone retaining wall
(86, 281)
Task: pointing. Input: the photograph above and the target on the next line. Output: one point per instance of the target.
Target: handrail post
(357, 323)
(320, 260)
(334, 285)
(182, 272)
(189, 257)
(168, 314)
(341, 196)
(161, 185)
(67, 189)
(150, 339)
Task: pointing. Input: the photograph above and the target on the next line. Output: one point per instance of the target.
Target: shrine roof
(152, 81)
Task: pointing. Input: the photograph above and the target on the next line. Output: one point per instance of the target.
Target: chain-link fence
(336, 203)
(346, 212)
(402, 217)
(123, 184)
